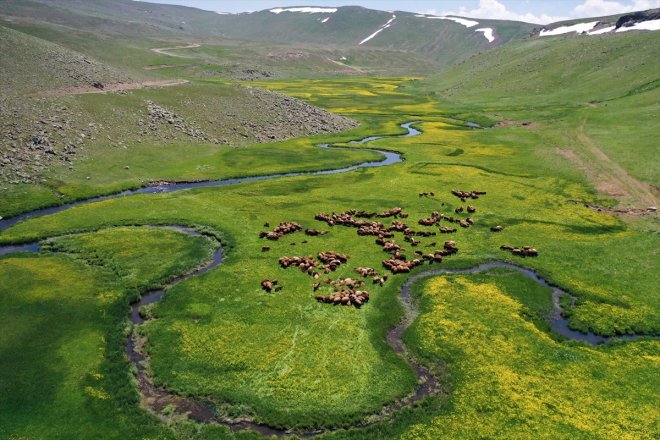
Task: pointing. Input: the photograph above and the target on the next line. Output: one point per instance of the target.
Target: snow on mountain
(488, 33)
(307, 10)
(601, 31)
(649, 25)
(463, 21)
(588, 28)
(577, 28)
(380, 29)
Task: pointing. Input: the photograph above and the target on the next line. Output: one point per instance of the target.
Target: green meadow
(288, 361)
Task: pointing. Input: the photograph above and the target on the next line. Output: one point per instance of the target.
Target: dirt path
(77, 90)
(164, 50)
(354, 68)
(607, 176)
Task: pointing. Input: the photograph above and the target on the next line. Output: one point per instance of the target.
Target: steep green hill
(29, 64)
(598, 98)
(115, 17)
(561, 69)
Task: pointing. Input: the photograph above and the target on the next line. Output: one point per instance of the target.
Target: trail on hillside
(607, 176)
(115, 87)
(355, 68)
(164, 50)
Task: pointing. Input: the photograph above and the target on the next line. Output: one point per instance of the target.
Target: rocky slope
(30, 65)
(38, 133)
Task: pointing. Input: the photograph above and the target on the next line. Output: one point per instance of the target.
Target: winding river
(390, 157)
(157, 398)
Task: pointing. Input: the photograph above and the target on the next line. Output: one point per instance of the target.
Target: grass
(63, 328)
(533, 80)
(511, 380)
(290, 361)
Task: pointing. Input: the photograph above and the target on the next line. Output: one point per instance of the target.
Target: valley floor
(289, 361)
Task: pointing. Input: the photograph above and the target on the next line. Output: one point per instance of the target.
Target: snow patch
(649, 25)
(325, 19)
(488, 33)
(380, 29)
(463, 21)
(577, 28)
(374, 34)
(601, 31)
(307, 10)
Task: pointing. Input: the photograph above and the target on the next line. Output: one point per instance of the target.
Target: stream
(390, 157)
(157, 398)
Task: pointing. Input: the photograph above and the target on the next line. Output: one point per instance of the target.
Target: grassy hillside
(31, 64)
(555, 70)
(582, 92)
(60, 144)
(115, 17)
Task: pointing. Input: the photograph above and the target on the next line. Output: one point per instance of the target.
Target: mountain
(636, 21)
(114, 17)
(444, 40)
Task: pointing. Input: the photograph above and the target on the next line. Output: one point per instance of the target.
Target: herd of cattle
(345, 290)
(525, 251)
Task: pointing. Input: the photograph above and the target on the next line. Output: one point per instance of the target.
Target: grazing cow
(464, 195)
(366, 271)
(458, 210)
(265, 248)
(305, 264)
(331, 260)
(429, 221)
(497, 228)
(267, 284)
(283, 229)
(450, 246)
(399, 265)
(347, 298)
(525, 251)
(390, 213)
(471, 208)
(391, 246)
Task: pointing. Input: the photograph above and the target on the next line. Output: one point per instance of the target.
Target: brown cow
(267, 284)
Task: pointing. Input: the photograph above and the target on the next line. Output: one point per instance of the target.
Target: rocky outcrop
(160, 115)
(35, 133)
(637, 17)
(291, 117)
